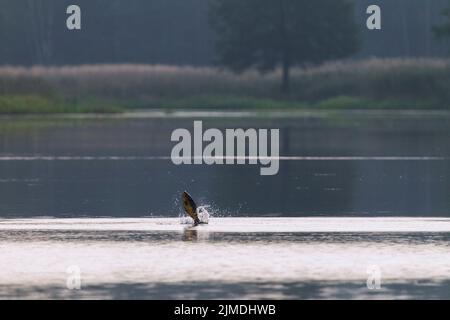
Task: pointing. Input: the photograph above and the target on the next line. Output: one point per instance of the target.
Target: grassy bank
(38, 104)
(369, 84)
(264, 104)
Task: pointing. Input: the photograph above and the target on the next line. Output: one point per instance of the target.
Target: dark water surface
(375, 164)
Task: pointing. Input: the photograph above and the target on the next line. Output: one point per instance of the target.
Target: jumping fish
(193, 211)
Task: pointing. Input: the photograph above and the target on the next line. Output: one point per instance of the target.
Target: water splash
(202, 213)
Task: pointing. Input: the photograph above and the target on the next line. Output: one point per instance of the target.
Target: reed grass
(373, 83)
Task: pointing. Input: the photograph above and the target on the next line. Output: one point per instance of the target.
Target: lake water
(355, 191)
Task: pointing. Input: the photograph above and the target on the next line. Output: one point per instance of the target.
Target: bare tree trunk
(429, 27)
(286, 77)
(117, 43)
(34, 33)
(406, 41)
(41, 17)
(286, 61)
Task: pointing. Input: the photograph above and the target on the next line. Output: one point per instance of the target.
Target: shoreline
(214, 113)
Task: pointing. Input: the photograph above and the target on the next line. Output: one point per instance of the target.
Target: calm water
(368, 168)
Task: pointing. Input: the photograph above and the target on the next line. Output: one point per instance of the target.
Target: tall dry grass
(407, 79)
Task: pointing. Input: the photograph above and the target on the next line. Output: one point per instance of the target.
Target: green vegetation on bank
(35, 104)
(255, 104)
(369, 84)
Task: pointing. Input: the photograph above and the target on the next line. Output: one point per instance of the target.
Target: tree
(267, 34)
(41, 13)
(444, 29)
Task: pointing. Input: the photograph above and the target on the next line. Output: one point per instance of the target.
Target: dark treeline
(136, 31)
(178, 31)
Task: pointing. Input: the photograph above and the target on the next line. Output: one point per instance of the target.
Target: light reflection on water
(164, 259)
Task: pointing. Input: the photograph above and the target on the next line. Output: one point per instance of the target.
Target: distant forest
(178, 32)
